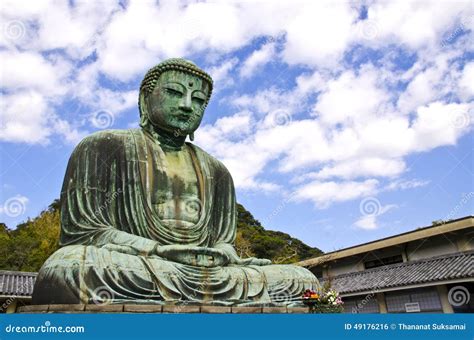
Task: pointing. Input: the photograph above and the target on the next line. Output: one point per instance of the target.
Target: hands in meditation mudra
(149, 218)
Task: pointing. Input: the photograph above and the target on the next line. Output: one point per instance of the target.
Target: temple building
(428, 270)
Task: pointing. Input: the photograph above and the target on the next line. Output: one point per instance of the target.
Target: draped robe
(109, 230)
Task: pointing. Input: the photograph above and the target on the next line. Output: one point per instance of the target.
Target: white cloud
(25, 118)
(31, 71)
(140, 36)
(352, 97)
(429, 81)
(389, 136)
(342, 129)
(116, 101)
(257, 59)
(323, 194)
(125, 51)
(54, 24)
(88, 91)
(415, 24)
(441, 124)
(224, 140)
(69, 133)
(33, 84)
(319, 33)
(401, 184)
(360, 136)
(315, 82)
(266, 101)
(466, 83)
(237, 125)
(369, 221)
(144, 33)
(74, 29)
(221, 74)
(364, 167)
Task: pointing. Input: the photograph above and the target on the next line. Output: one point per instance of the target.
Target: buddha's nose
(185, 104)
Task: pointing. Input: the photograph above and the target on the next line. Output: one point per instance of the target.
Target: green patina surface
(147, 217)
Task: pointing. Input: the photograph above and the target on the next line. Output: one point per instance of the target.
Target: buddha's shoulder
(108, 137)
(104, 140)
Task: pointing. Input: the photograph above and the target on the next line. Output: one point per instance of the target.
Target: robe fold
(109, 229)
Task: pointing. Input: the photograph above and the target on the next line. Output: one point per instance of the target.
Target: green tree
(4, 245)
(254, 240)
(28, 246)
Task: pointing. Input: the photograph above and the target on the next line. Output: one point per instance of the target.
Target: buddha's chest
(175, 190)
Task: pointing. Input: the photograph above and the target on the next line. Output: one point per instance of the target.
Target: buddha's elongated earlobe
(191, 136)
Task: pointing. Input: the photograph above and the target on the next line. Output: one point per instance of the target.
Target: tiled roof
(435, 269)
(16, 283)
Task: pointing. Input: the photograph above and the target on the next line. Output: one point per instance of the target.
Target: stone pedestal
(158, 309)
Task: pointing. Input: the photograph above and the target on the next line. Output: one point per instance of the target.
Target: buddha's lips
(184, 118)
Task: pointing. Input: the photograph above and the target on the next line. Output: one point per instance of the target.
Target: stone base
(158, 309)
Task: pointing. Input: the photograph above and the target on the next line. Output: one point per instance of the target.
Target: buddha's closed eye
(173, 92)
(198, 100)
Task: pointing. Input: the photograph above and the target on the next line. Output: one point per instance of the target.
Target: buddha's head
(173, 96)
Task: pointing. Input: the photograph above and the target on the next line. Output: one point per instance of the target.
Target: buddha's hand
(195, 256)
(124, 249)
(252, 261)
(236, 259)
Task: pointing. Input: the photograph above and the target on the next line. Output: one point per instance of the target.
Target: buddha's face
(177, 102)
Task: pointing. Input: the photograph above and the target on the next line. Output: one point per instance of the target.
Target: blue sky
(341, 122)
